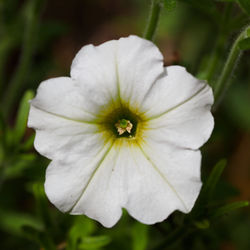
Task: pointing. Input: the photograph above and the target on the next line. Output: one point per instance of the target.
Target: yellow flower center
(120, 121)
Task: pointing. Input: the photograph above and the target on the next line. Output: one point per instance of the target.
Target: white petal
(125, 69)
(139, 65)
(103, 196)
(67, 185)
(94, 68)
(62, 139)
(150, 188)
(62, 96)
(159, 181)
(150, 182)
(62, 126)
(180, 168)
(179, 112)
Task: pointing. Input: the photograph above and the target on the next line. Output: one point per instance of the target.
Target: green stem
(222, 35)
(2, 28)
(7, 43)
(47, 242)
(175, 237)
(17, 85)
(153, 19)
(214, 60)
(223, 82)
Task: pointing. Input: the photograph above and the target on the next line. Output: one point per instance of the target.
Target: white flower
(122, 132)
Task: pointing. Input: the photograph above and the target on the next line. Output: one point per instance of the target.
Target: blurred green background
(39, 39)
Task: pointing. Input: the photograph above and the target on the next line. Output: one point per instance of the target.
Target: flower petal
(161, 180)
(69, 185)
(104, 194)
(94, 68)
(139, 65)
(62, 126)
(61, 96)
(125, 69)
(179, 113)
(149, 183)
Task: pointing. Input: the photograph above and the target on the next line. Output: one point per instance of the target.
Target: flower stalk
(153, 20)
(222, 36)
(19, 77)
(223, 82)
(175, 237)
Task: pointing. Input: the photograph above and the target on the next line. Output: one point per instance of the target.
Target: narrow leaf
(13, 222)
(16, 168)
(230, 207)
(81, 228)
(209, 186)
(139, 236)
(244, 44)
(169, 5)
(226, 0)
(248, 32)
(28, 144)
(22, 116)
(206, 6)
(238, 103)
(42, 204)
(2, 131)
(94, 242)
(208, 189)
(245, 5)
(203, 224)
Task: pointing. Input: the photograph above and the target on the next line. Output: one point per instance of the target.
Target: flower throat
(121, 122)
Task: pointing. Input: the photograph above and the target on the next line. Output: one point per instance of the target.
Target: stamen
(123, 125)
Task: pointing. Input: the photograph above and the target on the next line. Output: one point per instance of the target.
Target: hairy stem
(222, 36)
(17, 83)
(223, 82)
(153, 19)
(175, 237)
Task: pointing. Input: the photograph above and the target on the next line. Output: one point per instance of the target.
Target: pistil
(123, 126)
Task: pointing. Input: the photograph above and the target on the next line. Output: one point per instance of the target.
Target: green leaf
(203, 224)
(139, 236)
(81, 227)
(206, 6)
(16, 168)
(208, 189)
(229, 207)
(8, 137)
(22, 117)
(42, 204)
(244, 44)
(169, 5)
(226, 0)
(245, 5)
(94, 242)
(2, 125)
(31, 234)
(237, 105)
(210, 185)
(2, 137)
(43, 239)
(28, 144)
(13, 222)
(248, 32)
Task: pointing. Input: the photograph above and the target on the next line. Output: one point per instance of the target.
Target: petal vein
(163, 177)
